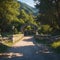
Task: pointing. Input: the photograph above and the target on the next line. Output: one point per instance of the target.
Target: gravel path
(28, 49)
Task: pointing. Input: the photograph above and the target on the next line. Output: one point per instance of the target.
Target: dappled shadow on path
(29, 51)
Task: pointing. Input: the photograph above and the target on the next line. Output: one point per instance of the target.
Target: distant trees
(49, 12)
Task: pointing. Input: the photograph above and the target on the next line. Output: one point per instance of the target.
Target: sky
(29, 2)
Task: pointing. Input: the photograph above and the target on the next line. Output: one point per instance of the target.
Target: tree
(9, 10)
(23, 15)
(49, 12)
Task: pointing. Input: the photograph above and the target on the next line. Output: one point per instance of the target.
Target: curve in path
(27, 49)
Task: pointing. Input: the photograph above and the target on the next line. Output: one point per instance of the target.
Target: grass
(8, 43)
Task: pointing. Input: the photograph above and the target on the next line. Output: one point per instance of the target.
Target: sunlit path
(27, 49)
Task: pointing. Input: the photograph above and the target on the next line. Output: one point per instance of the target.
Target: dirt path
(27, 49)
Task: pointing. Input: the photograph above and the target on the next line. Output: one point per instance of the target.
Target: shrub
(56, 46)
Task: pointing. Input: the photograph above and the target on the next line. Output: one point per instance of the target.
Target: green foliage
(49, 12)
(55, 44)
(15, 31)
(11, 14)
(45, 29)
(26, 18)
(28, 28)
(8, 13)
(23, 15)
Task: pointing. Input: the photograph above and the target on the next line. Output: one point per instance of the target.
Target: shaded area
(29, 50)
(51, 41)
(3, 48)
(29, 29)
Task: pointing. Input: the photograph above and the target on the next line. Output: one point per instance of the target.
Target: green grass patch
(8, 43)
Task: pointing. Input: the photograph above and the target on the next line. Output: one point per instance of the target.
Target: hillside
(28, 8)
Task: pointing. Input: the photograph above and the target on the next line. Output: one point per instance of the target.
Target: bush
(56, 46)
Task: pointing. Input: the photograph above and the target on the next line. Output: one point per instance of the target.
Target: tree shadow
(3, 48)
(30, 52)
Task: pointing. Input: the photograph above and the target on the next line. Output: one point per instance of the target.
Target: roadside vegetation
(54, 45)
